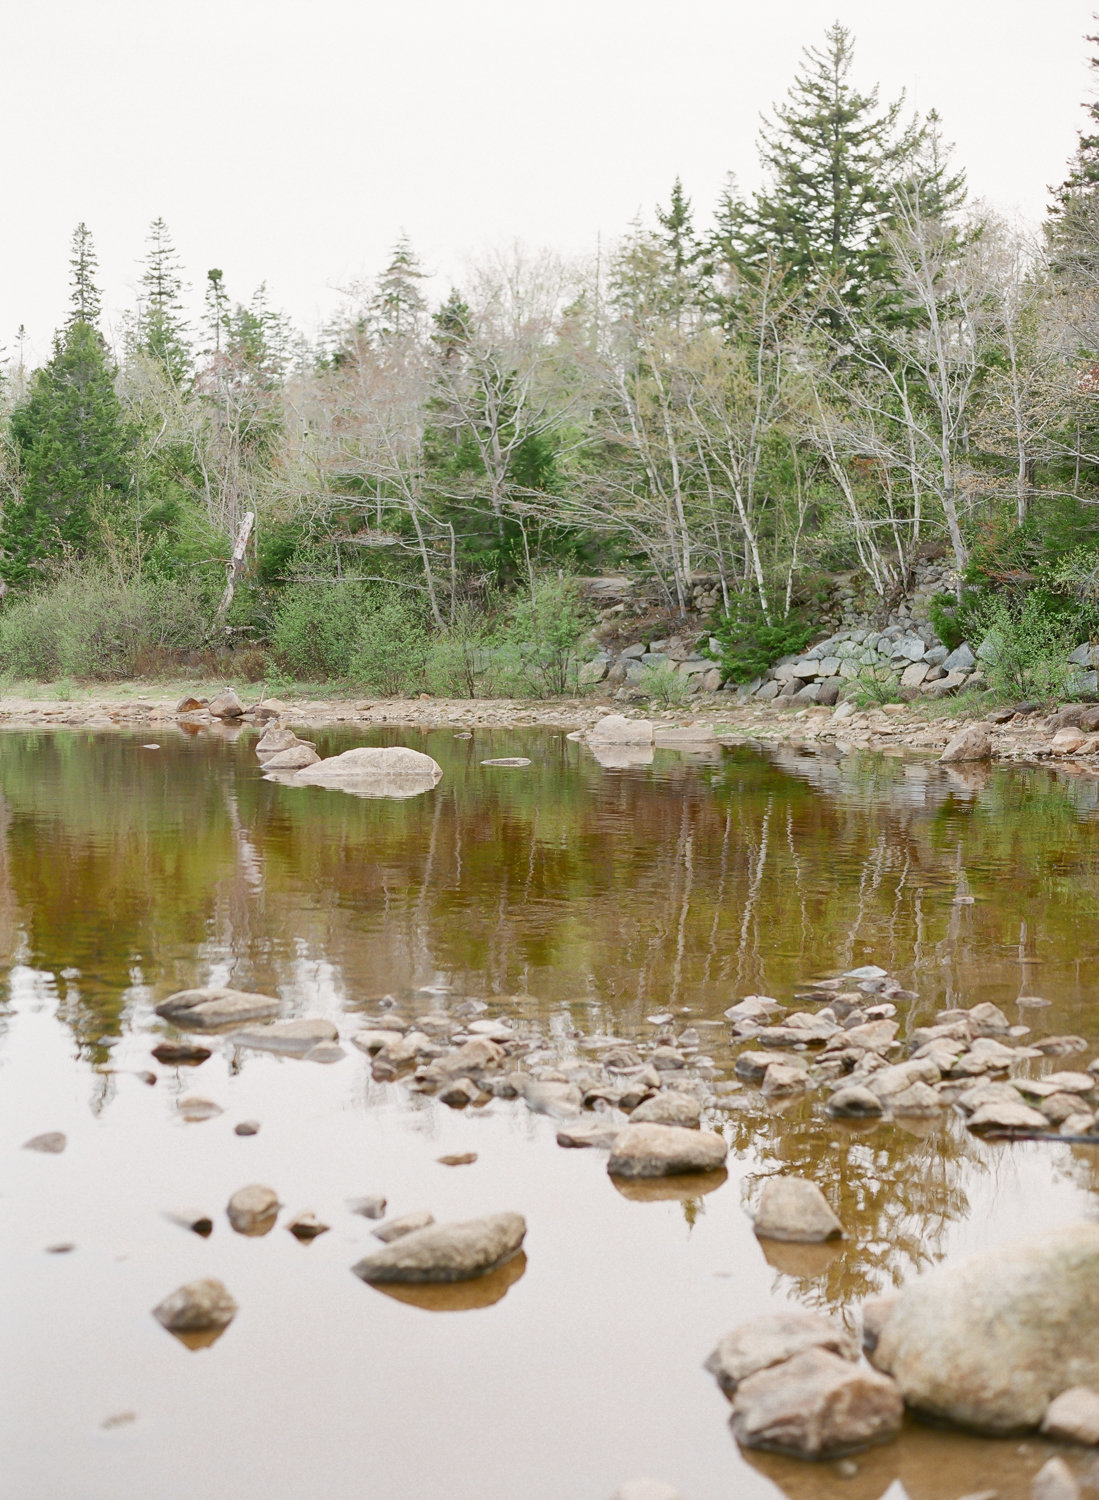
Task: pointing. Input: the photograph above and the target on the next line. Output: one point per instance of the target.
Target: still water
(576, 898)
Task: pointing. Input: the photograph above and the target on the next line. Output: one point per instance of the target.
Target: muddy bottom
(578, 901)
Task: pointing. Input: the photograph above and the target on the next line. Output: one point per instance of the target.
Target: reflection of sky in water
(591, 895)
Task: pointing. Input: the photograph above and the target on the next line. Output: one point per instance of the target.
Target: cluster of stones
(961, 1061)
(632, 665)
(913, 658)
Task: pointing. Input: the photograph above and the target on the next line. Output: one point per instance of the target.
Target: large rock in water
(375, 771)
(795, 1209)
(226, 705)
(447, 1252)
(295, 758)
(816, 1405)
(206, 1009)
(665, 1151)
(989, 1342)
(616, 729)
(974, 742)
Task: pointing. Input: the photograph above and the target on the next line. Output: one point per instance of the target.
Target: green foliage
(1025, 647)
(875, 686)
(316, 628)
(748, 644)
(947, 621)
(664, 686)
(391, 650)
(458, 657)
(102, 625)
(539, 650)
(74, 450)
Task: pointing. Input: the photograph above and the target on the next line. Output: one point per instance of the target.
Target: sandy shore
(900, 728)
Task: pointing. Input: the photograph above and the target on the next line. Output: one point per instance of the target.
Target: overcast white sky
(292, 140)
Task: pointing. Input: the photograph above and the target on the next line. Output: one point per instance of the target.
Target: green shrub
(457, 660)
(95, 624)
(391, 649)
(748, 645)
(664, 686)
(316, 628)
(1025, 647)
(538, 651)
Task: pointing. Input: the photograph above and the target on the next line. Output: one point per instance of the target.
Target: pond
(577, 900)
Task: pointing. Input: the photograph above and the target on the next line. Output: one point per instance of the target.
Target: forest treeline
(853, 368)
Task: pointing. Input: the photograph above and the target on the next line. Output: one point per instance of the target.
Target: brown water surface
(575, 898)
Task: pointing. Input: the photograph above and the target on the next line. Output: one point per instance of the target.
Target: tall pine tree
(70, 436)
(398, 305)
(832, 155)
(1074, 212)
(161, 329)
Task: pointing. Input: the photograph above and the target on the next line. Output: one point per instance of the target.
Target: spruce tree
(1074, 212)
(680, 247)
(71, 439)
(161, 326)
(398, 305)
(832, 155)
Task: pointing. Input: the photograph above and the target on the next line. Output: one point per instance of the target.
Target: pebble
(196, 1307)
(1054, 1481)
(306, 1226)
(458, 1159)
(182, 1054)
(1074, 1416)
(246, 1127)
(253, 1210)
(371, 1207)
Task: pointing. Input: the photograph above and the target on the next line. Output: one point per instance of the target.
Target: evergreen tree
(161, 326)
(451, 325)
(398, 304)
(84, 296)
(1074, 213)
(833, 155)
(73, 450)
(681, 249)
(216, 312)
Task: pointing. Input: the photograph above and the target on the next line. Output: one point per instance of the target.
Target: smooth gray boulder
(207, 1009)
(816, 1405)
(795, 1209)
(375, 771)
(197, 1307)
(395, 1229)
(959, 660)
(1005, 1115)
(989, 1341)
(447, 1252)
(274, 740)
(772, 1340)
(665, 1151)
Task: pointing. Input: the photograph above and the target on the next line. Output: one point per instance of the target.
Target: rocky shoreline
(1022, 733)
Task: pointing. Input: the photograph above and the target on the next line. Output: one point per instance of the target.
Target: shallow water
(582, 899)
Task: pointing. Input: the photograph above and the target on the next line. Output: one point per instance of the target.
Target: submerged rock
(816, 1405)
(793, 1208)
(665, 1151)
(371, 1207)
(989, 1341)
(772, 1340)
(253, 1210)
(195, 1109)
(854, 1103)
(197, 1307)
(52, 1143)
(181, 1054)
(295, 1038)
(597, 1133)
(447, 1252)
(205, 1009)
(397, 1228)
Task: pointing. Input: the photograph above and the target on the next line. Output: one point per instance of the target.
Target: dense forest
(855, 368)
